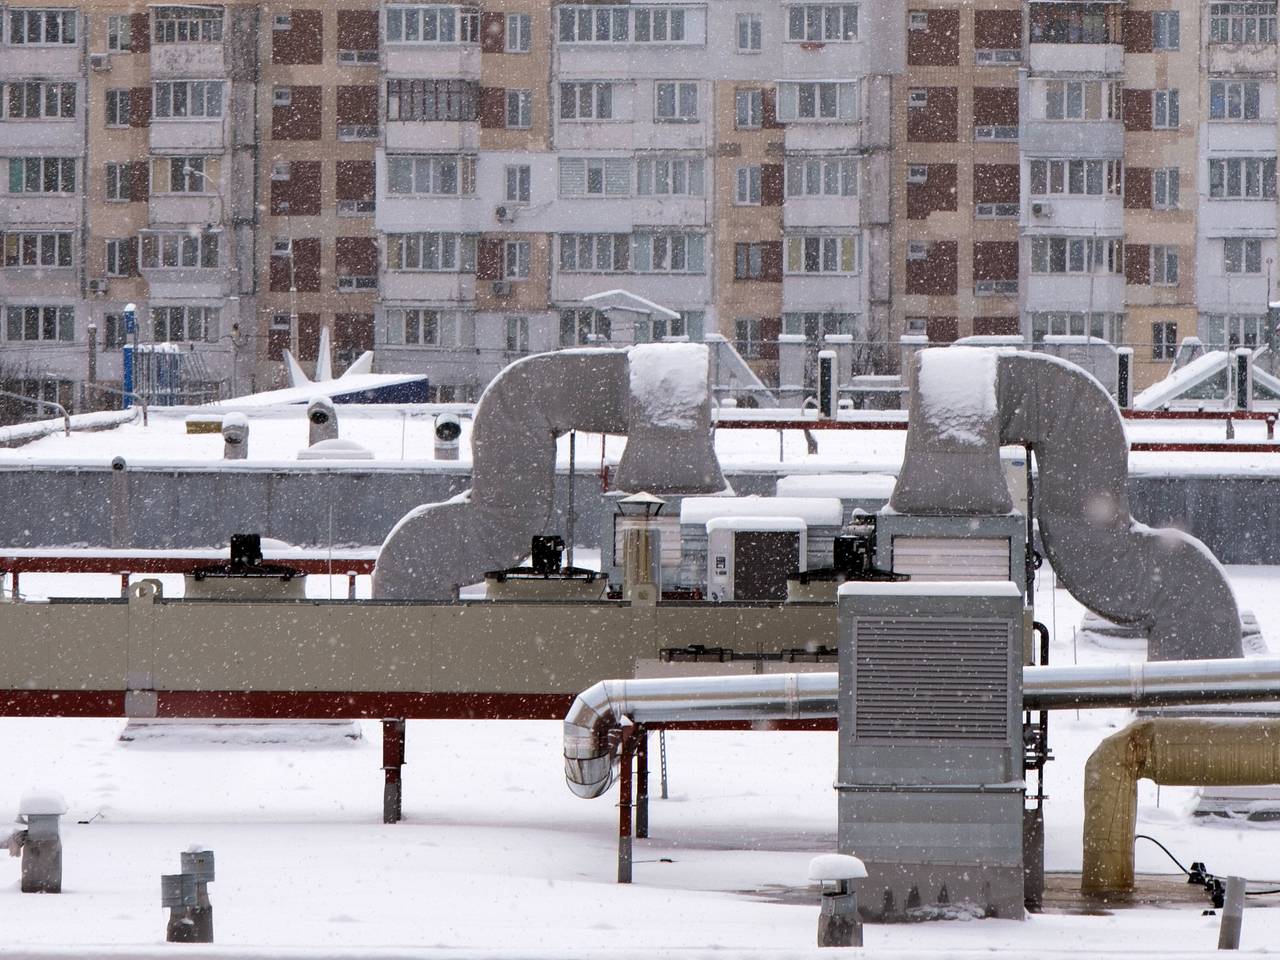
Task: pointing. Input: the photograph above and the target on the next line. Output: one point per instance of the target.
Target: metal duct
(1197, 753)
(1163, 580)
(439, 547)
(591, 754)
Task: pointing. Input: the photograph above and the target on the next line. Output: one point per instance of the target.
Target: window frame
(811, 23)
(680, 101)
(518, 33)
(754, 33)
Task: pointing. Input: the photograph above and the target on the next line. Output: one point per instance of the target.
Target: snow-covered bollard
(838, 923)
(447, 433)
(186, 895)
(40, 844)
(323, 417)
(235, 436)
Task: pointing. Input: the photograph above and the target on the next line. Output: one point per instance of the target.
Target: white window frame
(58, 319)
(178, 23)
(518, 334)
(31, 174)
(518, 109)
(594, 252)
(1242, 256)
(1164, 340)
(1164, 188)
(597, 96)
(1077, 255)
(431, 24)
(1076, 100)
(747, 193)
(1245, 22)
(821, 176)
(809, 101)
(1242, 178)
(1235, 100)
(519, 33)
(519, 182)
(602, 24)
(116, 249)
(749, 31)
(748, 108)
(1164, 265)
(1166, 30)
(670, 176)
(201, 320)
(118, 183)
(118, 107)
(180, 250)
(822, 22)
(36, 21)
(53, 100)
(681, 104)
(22, 249)
(516, 255)
(431, 252)
(430, 174)
(1164, 110)
(822, 254)
(1075, 177)
(120, 33)
(598, 176)
(663, 251)
(162, 103)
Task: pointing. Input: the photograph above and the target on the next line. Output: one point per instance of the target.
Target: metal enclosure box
(750, 558)
(953, 547)
(930, 767)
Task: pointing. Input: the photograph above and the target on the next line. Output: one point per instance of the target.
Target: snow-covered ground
(495, 856)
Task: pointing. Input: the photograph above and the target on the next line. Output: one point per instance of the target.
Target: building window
(1242, 22)
(1164, 113)
(595, 252)
(822, 22)
(1075, 23)
(40, 323)
(118, 102)
(1165, 30)
(676, 102)
(446, 175)
(421, 100)
(180, 249)
(201, 24)
(42, 28)
(188, 99)
(42, 175)
(1243, 178)
(517, 334)
(748, 109)
(626, 24)
(519, 109)
(188, 324)
(433, 24)
(121, 257)
(669, 253)
(1082, 100)
(515, 260)
(586, 101)
(518, 183)
(747, 337)
(748, 193)
(1058, 323)
(822, 176)
(1164, 340)
(822, 255)
(1164, 266)
(819, 100)
(595, 177)
(815, 326)
(1234, 99)
(669, 176)
(1080, 177)
(749, 32)
(185, 175)
(1241, 255)
(748, 261)
(114, 335)
(1076, 255)
(431, 252)
(36, 249)
(119, 34)
(1233, 330)
(579, 327)
(1164, 188)
(37, 100)
(519, 32)
(119, 182)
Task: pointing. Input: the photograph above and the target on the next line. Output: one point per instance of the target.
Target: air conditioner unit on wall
(1040, 209)
(504, 214)
(100, 62)
(98, 286)
(502, 288)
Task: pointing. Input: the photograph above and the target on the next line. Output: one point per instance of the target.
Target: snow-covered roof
(846, 486)
(814, 511)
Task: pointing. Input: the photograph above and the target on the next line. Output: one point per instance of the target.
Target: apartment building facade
(451, 185)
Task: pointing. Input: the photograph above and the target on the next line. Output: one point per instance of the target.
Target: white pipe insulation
(656, 394)
(968, 401)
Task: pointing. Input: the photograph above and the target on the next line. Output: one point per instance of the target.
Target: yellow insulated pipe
(1189, 753)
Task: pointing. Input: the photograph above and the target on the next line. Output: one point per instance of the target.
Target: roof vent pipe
(323, 418)
(235, 436)
(656, 394)
(968, 401)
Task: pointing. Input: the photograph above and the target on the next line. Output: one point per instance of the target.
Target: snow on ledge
(930, 588)
(957, 388)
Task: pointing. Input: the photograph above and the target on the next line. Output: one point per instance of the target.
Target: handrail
(141, 400)
(66, 417)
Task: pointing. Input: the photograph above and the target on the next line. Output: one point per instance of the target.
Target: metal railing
(136, 397)
(56, 407)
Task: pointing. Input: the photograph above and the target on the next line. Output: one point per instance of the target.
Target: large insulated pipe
(656, 394)
(969, 401)
(591, 751)
(1183, 752)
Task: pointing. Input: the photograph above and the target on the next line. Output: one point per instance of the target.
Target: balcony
(53, 62)
(188, 136)
(1234, 58)
(1078, 291)
(445, 61)
(186, 284)
(47, 136)
(182, 208)
(1058, 58)
(665, 288)
(837, 293)
(1073, 138)
(432, 136)
(402, 214)
(23, 209)
(1075, 213)
(19, 283)
(434, 288)
(821, 211)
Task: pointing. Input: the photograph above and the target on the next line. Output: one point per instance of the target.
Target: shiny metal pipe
(1151, 684)
(591, 744)
(590, 740)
